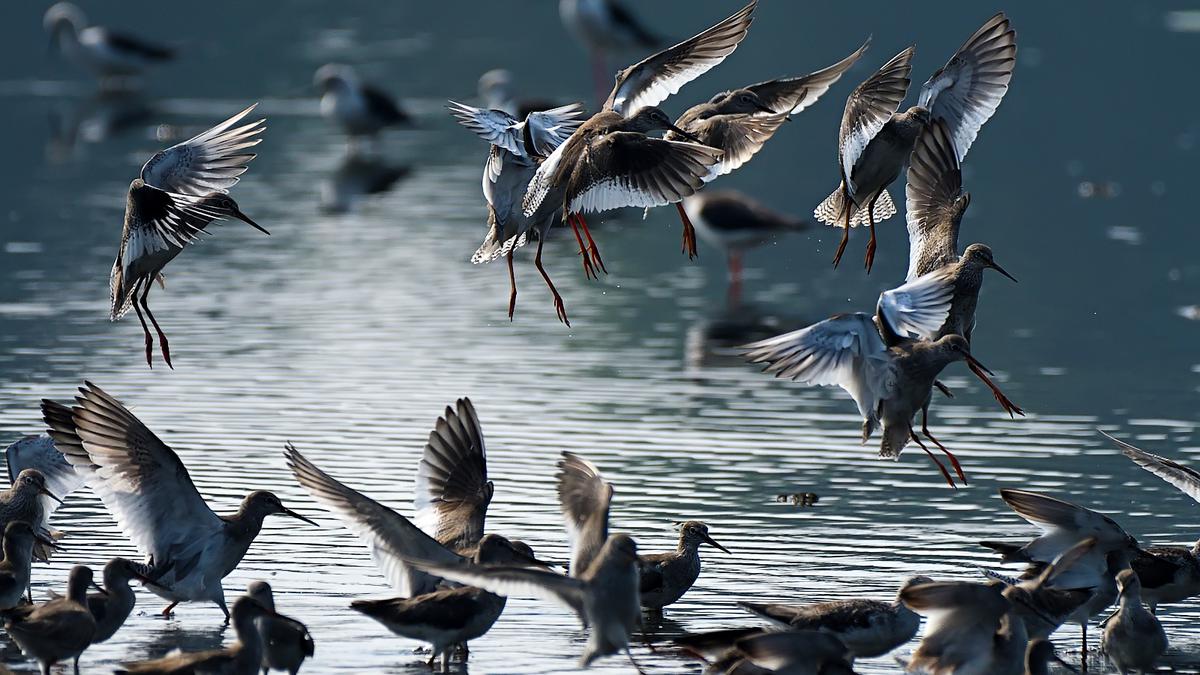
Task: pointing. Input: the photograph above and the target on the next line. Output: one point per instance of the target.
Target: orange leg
(689, 232)
(949, 455)
(588, 271)
(871, 244)
(1009, 407)
(591, 244)
(146, 330)
(941, 467)
(512, 282)
(848, 205)
(162, 337)
(559, 307)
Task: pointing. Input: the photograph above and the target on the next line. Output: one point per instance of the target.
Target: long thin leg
(689, 232)
(635, 663)
(162, 337)
(847, 205)
(871, 244)
(512, 282)
(588, 271)
(1009, 407)
(596, 260)
(559, 307)
(446, 661)
(1083, 657)
(146, 330)
(949, 455)
(941, 467)
(168, 609)
(943, 388)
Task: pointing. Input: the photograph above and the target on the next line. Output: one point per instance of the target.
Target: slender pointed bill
(100, 588)
(685, 134)
(1001, 271)
(237, 213)
(712, 542)
(50, 494)
(298, 516)
(45, 541)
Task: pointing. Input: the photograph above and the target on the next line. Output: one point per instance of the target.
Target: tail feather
(895, 438)
(832, 211)
(493, 246)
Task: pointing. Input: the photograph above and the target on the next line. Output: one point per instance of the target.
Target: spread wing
(510, 580)
(38, 452)
(1182, 477)
(869, 107)
(968, 89)
(935, 201)
(209, 162)
(584, 497)
(390, 536)
(652, 80)
(629, 169)
(548, 129)
(139, 478)
(453, 490)
(794, 94)
(739, 137)
(845, 350)
(494, 126)
(917, 309)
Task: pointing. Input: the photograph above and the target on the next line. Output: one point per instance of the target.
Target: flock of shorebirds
(547, 164)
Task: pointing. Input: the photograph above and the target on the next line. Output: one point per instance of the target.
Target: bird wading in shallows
(180, 191)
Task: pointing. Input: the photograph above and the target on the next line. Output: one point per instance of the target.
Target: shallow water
(347, 333)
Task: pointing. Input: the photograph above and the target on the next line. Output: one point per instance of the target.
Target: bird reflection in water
(359, 175)
(94, 118)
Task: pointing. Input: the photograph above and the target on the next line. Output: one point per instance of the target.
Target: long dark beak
(975, 362)
(46, 541)
(99, 588)
(532, 561)
(712, 542)
(246, 219)
(1001, 271)
(297, 516)
(50, 494)
(685, 134)
(763, 107)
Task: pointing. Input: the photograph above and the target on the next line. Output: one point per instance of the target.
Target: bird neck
(250, 646)
(18, 550)
(245, 524)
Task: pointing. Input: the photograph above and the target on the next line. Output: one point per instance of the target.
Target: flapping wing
(918, 308)
(509, 580)
(1182, 477)
(584, 497)
(1064, 525)
(209, 162)
(453, 490)
(548, 129)
(494, 126)
(629, 169)
(794, 94)
(160, 220)
(139, 478)
(652, 80)
(777, 651)
(391, 537)
(951, 605)
(935, 200)
(38, 452)
(738, 137)
(845, 350)
(968, 89)
(869, 107)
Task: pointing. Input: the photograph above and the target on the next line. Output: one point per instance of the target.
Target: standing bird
(663, 578)
(24, 502)
(105, 54)
(360, 109)
(112, 605)
(935, 206)
(56, 630)
(971, 628)
(1133, 638)
(426, 611)
(735, 222)
(610, 163)
(38, 452)
(180, 191)
(1166, 574)
(286, 642)
(603, 27)
(189, 549)
(885, 362)
(868, 628)
(875, 140)
(243, 657)
(517, 150)
(739, 122)
(19, 540)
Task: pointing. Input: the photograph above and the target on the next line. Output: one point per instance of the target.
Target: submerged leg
(1009, 407)
(949, 455)
(512, 282)
(588, 270)
(871, 244)
(168, 609)
(559, 307)
(847, 206)
(591, 244)
(146, 330)
(635, 663)
(162, 337)
(941, 467)
(689, 232)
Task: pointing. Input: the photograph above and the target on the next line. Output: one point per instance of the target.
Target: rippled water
(350, 328)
